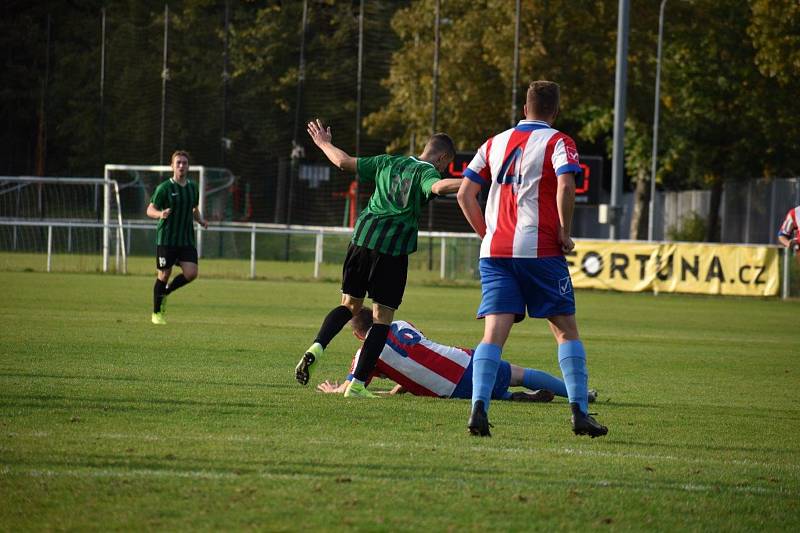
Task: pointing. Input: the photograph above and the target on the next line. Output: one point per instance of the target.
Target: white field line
(100, 473)
(133, 437)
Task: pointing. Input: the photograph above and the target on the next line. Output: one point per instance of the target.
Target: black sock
(333, 324)
(176, 283)
(371, 351)
(159, 291)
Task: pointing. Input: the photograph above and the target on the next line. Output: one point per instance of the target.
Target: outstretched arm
(332, 388)
(468, 200)
(446, 186)
(322, 137)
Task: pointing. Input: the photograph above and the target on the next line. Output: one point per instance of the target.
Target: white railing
(107, 184)
(227, 227)
(125, 227)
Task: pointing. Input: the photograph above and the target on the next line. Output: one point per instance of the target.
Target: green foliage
(200, 425)
(691, 228)
(728, 110)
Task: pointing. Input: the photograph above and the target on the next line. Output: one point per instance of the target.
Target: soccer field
(108, 422)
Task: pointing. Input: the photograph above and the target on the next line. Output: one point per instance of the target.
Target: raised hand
(319, 134)
(165, 213)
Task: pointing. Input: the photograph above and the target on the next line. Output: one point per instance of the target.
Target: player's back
(390, 221)
(420, 365)
(521, 166)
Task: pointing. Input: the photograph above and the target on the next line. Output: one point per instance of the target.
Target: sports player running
(384, 235)
(174, 203)
(526, 232)
(789, 232)
(423, 367)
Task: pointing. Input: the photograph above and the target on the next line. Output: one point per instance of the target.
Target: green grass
(107, 422)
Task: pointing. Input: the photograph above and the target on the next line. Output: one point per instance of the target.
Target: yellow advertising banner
(696, 268)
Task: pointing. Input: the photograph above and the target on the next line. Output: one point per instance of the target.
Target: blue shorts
(464, 388)
(509, 285)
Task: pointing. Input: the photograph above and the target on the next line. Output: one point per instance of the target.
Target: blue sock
(536, 379)
(572, 360)
(484, 372)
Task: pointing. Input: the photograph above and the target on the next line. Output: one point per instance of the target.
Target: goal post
(70, 215)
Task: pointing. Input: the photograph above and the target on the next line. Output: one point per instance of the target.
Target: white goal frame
(107, 185)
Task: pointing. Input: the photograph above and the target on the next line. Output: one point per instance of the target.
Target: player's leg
(536, 380)
(382, 317)
(333, 323)
(572, 360)
(187, 260)
(355, 272)
(486, 359)
(501, 306)
(486, 362)
(165, 258)
(387, 284)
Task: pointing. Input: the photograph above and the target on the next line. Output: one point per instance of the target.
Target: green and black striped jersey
(178, 228)
(390, 222)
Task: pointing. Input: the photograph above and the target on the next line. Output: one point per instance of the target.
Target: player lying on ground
(385, 234)
(426, 368)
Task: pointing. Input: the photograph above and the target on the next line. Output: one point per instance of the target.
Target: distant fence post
(442, 257)
(318, 254)
(253, 252)
(49, 247)
(787, 253)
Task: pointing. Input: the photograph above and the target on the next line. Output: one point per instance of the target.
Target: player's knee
(352, 304)
(382, 314)
(190, 275)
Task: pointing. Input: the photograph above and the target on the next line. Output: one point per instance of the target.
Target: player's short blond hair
(178, 153)
(543, 98)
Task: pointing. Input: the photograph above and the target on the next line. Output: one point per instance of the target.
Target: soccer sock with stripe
(332, 325)
(159, 291)
(536, 379)
(176, 283)
(485, 362)
(371, 351)
(572, 360)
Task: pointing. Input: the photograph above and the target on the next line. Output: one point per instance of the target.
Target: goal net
(76, 222)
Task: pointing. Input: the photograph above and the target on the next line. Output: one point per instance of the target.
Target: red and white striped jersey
(791, 224)
(421, 366)
(521, 165)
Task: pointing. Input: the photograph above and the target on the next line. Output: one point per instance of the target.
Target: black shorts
(167, 256)
(382, 276)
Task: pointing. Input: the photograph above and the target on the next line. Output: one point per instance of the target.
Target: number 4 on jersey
(503, 177)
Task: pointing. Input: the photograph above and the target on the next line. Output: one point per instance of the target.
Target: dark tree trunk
(712, 227)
